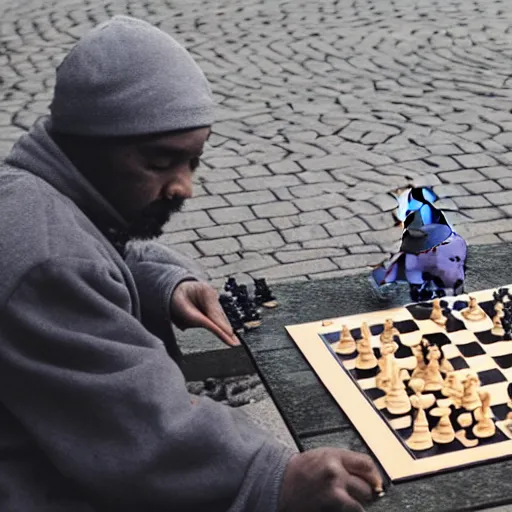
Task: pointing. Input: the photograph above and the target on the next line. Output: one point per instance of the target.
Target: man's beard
(148, 223)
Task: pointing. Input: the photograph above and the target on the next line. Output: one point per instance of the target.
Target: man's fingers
(216, 314)
(346, 502)
(359, 489)
(197, 319)
(363, 467)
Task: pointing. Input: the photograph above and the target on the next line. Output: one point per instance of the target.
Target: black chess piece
(232, 312)
(263, 295)
(231, 285)
(241, 294)
(250, 315)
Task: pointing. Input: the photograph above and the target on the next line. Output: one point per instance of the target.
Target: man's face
(148, 178)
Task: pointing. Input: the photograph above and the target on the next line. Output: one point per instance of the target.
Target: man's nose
(182, 188)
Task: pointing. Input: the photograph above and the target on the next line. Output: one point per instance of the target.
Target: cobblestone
(277, 209)
(269, 240)
(218, 246)
(308, 254)
(224, 230)
(232, 214)
(258, 226)
(315, 128)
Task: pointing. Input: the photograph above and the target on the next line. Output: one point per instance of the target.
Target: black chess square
(504, 361)
(374, 393)
(454, 324)
(471, 349)
(420, 311)
(491, 377)
(488, 307)
(438, 338)
(405, 326)
(458, 363)
(487, 337)
(331, 337)
(500, 411)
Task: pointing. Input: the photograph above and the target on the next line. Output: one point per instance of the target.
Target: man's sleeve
(157, 270)
(104, 402)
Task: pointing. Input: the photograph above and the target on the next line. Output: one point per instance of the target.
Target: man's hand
(329, 480)
(195, 304)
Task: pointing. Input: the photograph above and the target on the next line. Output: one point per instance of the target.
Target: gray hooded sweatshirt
(94, 414)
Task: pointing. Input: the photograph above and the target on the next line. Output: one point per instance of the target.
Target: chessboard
(427, 385)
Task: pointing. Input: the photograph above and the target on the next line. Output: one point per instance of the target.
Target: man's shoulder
(39, 224)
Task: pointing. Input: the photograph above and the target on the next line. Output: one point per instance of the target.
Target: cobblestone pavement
(325, 106)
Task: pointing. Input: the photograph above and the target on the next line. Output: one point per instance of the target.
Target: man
(94, 412)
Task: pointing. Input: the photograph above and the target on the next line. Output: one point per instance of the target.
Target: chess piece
(388, 334)
(485, 426)
(465, 420)
(418, 399)
(263, 294)
(347, 344)
(453, 389)
(421, 366)
(251, 317)
(473, 312)
(443, 432)
(497, 326)
(365, 331)
(231, 285)
(365, 359)
(397, 400)
(421, 438)
(445, 365)
(232, 312)
(437, 315)
(470, 398)
(386, 364)
(433, 377)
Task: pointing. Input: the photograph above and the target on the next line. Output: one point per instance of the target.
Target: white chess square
(411, 339)
(500, 348)
(481, 363)
(429, 327)
(499, 394)
(450, 351)
(367, 383)
(462, 337)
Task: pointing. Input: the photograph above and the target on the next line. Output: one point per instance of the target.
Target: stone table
(314, 418)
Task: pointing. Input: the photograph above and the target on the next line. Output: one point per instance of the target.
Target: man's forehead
(190, 141)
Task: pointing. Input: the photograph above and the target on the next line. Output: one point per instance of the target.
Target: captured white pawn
(485, 426)
(347, 344)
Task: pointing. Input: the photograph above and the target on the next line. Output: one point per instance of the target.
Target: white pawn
(443, 432)
(397, 400)
(347, 344)
(485, 427)
(437, 315)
